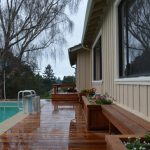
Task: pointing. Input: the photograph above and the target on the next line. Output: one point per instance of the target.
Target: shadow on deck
(59, 126)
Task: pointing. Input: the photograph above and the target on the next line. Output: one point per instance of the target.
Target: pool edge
(9, 123)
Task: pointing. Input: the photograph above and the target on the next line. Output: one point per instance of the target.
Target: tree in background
(48, 79)
(26, 28)
(48, 73)
(68, 79)
(23, 21)
(58, 80)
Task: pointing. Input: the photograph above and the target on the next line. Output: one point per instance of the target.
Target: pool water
(7, 110)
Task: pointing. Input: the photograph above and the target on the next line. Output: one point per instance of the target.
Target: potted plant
(104, 99)
(138, 143)
(87, 92)
(124, 142)
(101, 99)
(91, 92)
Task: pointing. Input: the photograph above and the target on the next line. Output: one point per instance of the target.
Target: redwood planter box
(115, 142)
(95, 120)
(65, 97)
(80, 98)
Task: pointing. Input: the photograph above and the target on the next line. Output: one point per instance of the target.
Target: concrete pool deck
(9, 123)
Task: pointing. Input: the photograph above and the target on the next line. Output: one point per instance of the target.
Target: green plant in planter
(138, 143)
(103, 99)
(84, 91)
(147, 137)
(89, 92)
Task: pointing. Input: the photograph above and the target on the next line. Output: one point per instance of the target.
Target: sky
(62, 67)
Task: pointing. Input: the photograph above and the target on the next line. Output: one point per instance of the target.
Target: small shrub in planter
(138, 143)
(102, 99)
(103, 102)
(89, 92)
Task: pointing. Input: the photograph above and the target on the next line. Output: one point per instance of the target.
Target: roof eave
(73, 53)
(96, 9)
(88, 10)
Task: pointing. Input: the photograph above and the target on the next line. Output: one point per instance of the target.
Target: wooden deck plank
(59, 126)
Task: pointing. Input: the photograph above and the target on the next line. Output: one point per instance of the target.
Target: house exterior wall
(132, 94)
(83, 72)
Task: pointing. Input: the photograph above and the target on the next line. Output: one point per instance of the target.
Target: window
(97, 61)
(134, 38)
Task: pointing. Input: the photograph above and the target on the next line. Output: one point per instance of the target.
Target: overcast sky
(62, 67)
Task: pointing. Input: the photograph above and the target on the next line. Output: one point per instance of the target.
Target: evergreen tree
(49, 77)
(68, 79)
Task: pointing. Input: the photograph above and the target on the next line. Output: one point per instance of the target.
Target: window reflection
(97, 61)
(134, 27)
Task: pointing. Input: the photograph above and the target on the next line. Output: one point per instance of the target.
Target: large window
(97, 61)
(134, 38)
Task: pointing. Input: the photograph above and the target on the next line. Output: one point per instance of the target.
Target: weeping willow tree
(27, 26)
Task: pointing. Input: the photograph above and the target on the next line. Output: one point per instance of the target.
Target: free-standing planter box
(80, 98)
(115, 142)
(95, 120)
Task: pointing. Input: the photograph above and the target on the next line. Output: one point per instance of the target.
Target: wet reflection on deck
(59, 126)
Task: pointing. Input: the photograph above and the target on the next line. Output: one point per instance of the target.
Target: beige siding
(83, 70)
(132, 95)
(143, 100)
(126, 100)
(118, 93)
(148, 105)
(108, 50)
(98, 86)
(136, 99)
(121, 94)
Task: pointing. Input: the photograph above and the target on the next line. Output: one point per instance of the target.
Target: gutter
(85, 47)
(73, 51)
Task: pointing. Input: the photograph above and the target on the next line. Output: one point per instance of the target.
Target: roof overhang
(96, 9)
(95, 12)
(73, 53)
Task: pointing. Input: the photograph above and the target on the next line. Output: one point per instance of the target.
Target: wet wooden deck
(59, 126)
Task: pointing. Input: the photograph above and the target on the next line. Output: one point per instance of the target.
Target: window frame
(120, 35)
(99, 37)
(141, 80)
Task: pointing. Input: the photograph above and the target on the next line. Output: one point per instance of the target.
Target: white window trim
(98, 81)
(97, 38)
(141, 80)
(116, 39)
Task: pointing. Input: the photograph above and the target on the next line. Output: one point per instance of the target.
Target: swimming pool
(8, 109)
